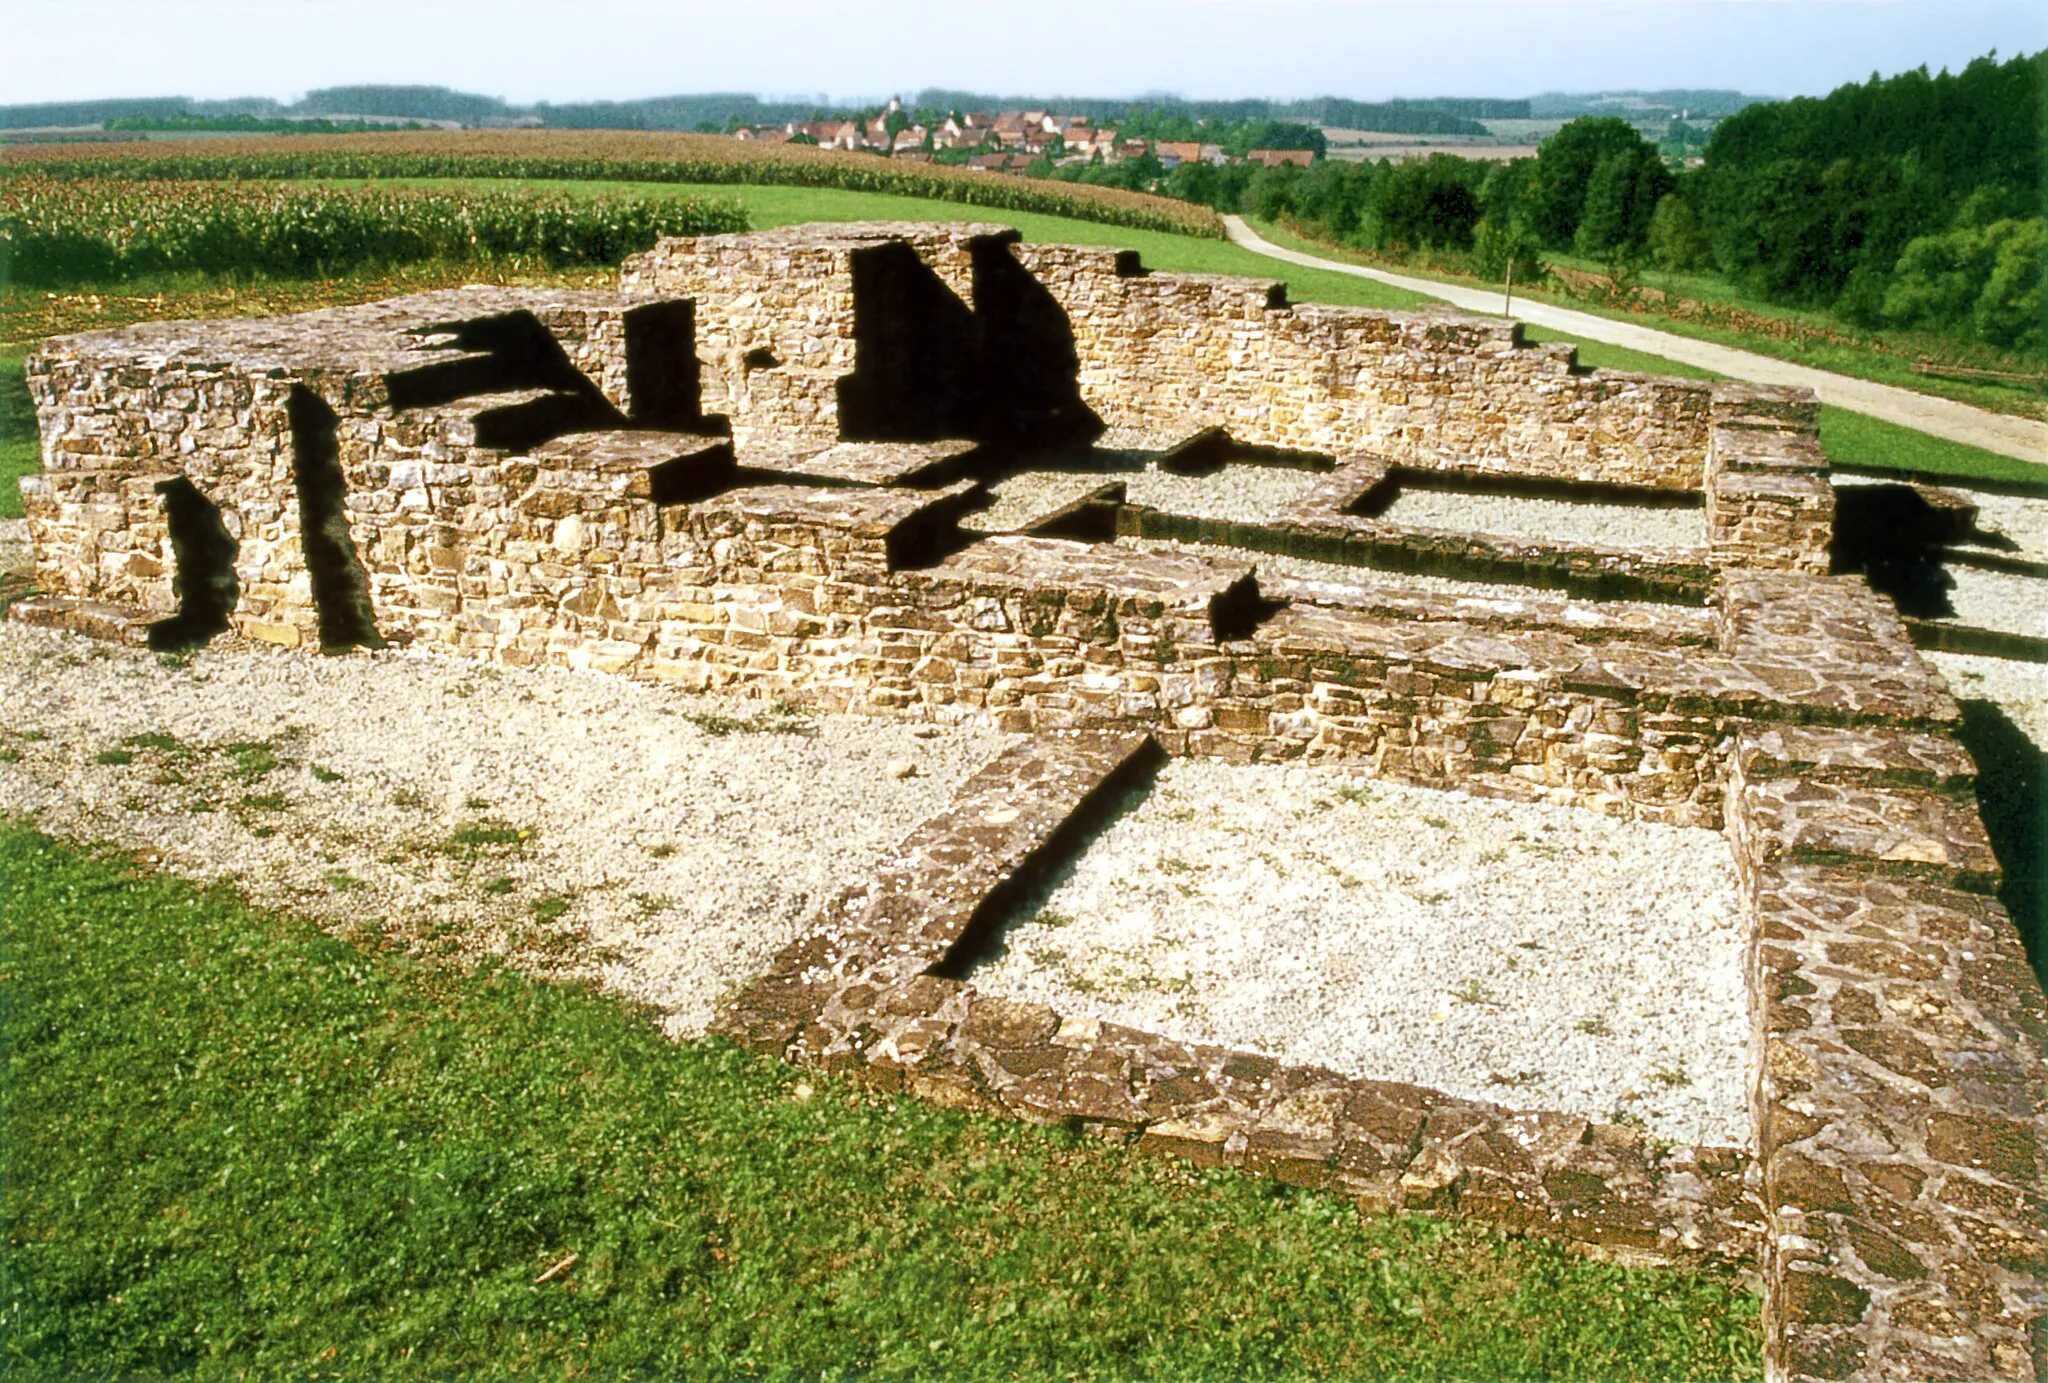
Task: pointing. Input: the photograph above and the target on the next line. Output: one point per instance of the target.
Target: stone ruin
(758, 467)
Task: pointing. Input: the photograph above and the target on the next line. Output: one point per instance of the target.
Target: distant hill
(1434, 116)
(1438, 115)
(1641, 105)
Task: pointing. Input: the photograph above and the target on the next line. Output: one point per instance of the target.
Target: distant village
(1002, 142)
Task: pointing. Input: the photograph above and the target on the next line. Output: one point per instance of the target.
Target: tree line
(1909, 201)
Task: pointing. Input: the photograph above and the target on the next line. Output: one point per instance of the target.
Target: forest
(1906, 201)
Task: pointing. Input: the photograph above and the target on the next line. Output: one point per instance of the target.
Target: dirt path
(1956, 422)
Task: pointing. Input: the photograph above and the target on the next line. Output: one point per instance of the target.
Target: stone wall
(1175, 353)
(530, 477)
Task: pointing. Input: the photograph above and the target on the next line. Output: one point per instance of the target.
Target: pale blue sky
(526, 50)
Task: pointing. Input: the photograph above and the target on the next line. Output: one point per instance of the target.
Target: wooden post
(1508, 298)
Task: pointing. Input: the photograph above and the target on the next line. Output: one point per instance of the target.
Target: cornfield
(107, 229)
(620, 156)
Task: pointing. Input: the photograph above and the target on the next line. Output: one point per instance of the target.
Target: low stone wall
(532, 483)
(1178, 352)
(869, 993)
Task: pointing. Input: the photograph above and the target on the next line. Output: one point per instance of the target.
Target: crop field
(536, 155)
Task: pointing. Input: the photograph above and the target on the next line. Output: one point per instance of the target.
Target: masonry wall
(1174, 353)
(1899, 1093)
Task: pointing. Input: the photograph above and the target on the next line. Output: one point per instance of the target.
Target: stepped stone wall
(1177, 352)
(654, 484)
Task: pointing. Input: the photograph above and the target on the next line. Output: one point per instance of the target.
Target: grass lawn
(19, 452)
(236, 1145)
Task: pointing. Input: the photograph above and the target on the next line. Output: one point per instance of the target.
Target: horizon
(1209, 50)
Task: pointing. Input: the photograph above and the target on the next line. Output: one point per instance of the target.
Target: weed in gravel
(1354, 794)
(1473, 992)
(253, 758)
(661, 851)
(408, 799)
(781, 718)
(549, 908)
(10, 755)
(323, 774)
(1174, 864)
(264, 801)
(200, 806)
(343, 883)
(1519, 1080)
(161, 741)
(476, 804)
(1493, 856)
(175, 660)
(1047, 917)
(1436, 822)
(114, 757)
(474, 837)
(499, 886)
(1671, 1076)
(31, 736)
(1594, 1027)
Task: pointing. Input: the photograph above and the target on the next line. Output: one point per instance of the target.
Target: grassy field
(238, 1146)
(18, 449)
(1805, 338)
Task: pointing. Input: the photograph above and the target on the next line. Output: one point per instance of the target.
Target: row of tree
(1910, 201)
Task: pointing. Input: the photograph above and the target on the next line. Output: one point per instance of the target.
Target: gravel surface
(2020, 689)
(1241, 492)
(1535, 956)
(15, 553)
(1339, 583)
(1565, 522)
(573, 822)
(1999, 600)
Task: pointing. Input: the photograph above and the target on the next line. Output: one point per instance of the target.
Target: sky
(572, 50)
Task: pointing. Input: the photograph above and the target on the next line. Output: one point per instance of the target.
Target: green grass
(769, 207)
(238, 1147)
(20, 454)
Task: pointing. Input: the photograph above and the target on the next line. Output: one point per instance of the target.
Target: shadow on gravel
(2012, 793)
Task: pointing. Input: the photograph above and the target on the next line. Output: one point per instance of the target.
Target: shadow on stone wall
(928, 367)
(2012, 795)
(341, 590)
(204, 553)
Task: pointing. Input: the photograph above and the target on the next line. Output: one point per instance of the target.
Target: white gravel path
(1242, 492)
(2001, 600)
(579, 823)
(1565, 522)
(1535, 956)
(1340, 583)
(2020, 689)
(15, 553)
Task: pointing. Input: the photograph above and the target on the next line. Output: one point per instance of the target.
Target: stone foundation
(747, 472)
